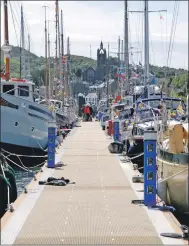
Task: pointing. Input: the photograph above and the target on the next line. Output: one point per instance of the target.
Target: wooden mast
(56, 48)
(62, 55)
(6, 47)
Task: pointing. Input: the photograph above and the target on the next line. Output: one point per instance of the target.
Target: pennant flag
(161, 17)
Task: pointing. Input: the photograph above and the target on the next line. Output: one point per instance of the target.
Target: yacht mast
(23, 44)
(59, 48)
(56, 48)
(29, 76)
(49, 63)
(6, 48)
(62, 55)
(107, 76)
(126, 44)
(146, 46)
(46, 61)
(122, 56)
(119, 53)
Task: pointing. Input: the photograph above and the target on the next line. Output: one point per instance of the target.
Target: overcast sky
(87, 22)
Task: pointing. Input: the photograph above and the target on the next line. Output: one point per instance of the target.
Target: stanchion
(51, 144)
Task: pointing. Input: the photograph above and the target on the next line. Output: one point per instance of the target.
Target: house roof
(91, 95)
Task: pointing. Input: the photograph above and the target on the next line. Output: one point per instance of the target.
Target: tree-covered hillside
(177, 78)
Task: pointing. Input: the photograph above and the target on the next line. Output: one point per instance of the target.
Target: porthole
(32, 128)
(16, 123)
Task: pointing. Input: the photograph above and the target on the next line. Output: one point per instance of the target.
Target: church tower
(101, 56)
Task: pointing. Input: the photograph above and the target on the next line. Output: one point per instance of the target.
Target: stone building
(91, 74)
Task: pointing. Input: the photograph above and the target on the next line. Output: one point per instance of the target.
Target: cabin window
(58, 105)
(9, 89)
(23, 91)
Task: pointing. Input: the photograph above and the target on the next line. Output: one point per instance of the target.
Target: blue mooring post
(51, 144)
(116, 130)
(150, 139)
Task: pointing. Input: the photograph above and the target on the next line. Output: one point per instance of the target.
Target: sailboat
(24, 123)
(172, 150)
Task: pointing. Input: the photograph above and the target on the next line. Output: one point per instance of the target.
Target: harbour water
(23, 179)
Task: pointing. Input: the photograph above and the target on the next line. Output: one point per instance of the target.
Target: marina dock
(96, 209)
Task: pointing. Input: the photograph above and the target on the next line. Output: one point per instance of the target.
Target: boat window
(140, 132)
(9, 89)
(57, 104)
(23, 91)
(119, 107)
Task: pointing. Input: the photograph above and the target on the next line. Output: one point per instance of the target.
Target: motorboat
(24, 123)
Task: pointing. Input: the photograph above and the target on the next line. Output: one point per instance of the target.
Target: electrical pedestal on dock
(51, 144)
(150, 138)
(116, 130)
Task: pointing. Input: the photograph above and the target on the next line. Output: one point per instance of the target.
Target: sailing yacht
(172, 149)
(24, 123)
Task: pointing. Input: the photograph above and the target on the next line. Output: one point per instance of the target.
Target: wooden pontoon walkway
(97, 209)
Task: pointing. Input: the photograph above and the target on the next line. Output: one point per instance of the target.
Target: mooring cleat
(138, 179)
(135, 167)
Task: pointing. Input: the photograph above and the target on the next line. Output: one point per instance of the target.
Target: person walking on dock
(86, 111)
